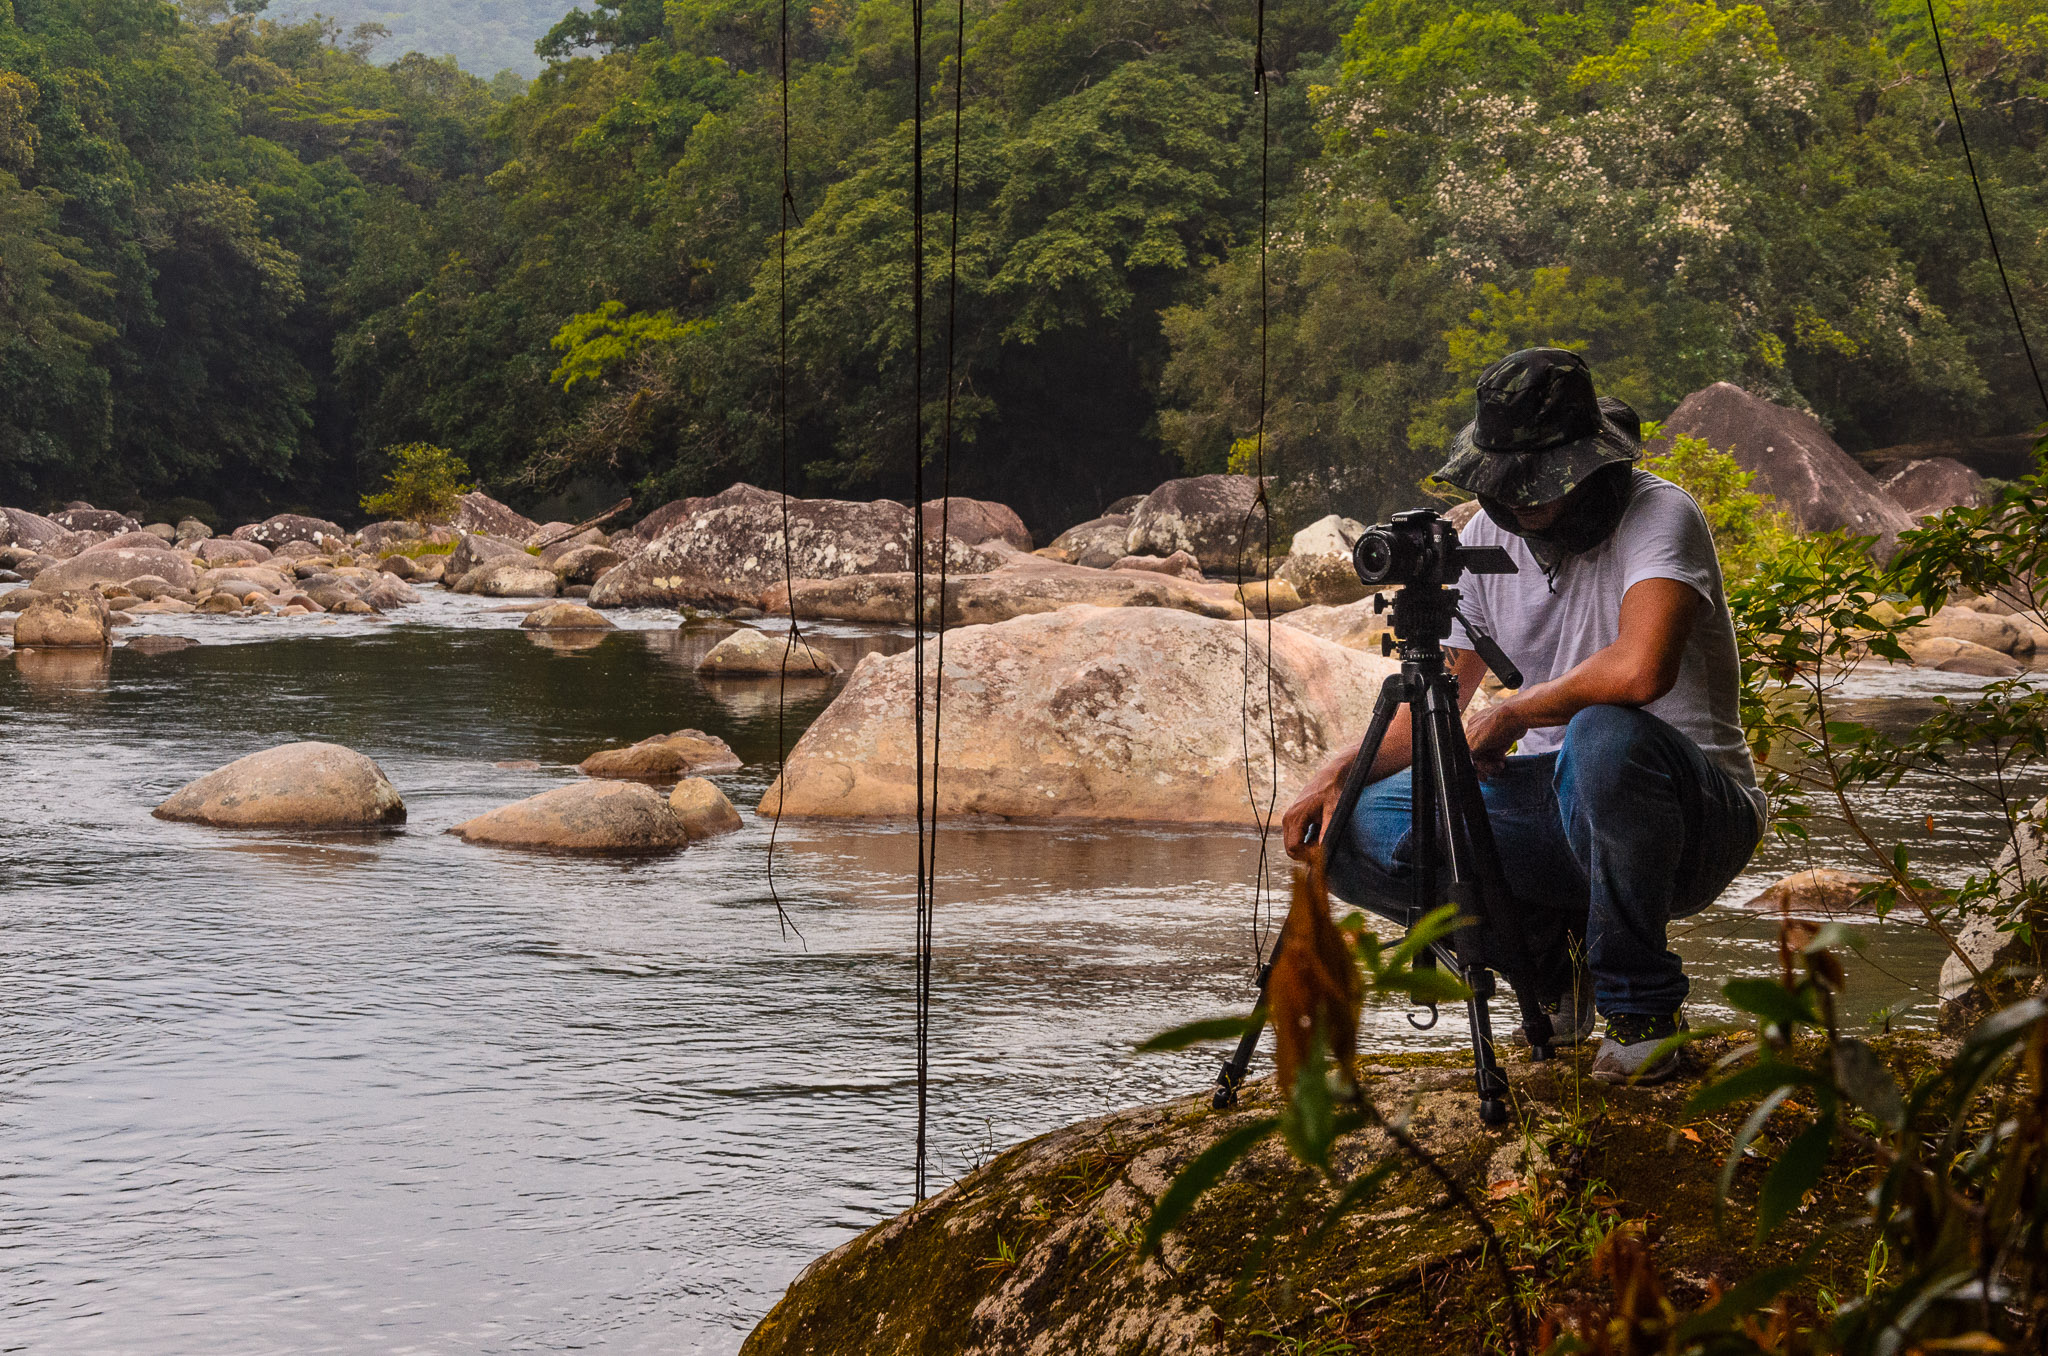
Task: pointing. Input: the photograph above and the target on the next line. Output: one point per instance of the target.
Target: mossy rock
(1038, 1250)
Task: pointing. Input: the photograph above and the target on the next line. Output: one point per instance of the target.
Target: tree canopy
(244, 255)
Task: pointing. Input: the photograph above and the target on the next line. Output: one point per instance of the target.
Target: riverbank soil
(1038, 1251)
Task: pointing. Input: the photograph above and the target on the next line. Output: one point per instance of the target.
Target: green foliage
(422, 486)
(1748, 526)
(596, 342)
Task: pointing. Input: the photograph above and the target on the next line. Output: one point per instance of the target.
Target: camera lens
(1374, 557)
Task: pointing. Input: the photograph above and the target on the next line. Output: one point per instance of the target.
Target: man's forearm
(1608, 678)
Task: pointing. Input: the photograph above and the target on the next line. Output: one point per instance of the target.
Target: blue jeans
(1624, 828)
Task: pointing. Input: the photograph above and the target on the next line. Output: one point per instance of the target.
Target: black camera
(1421, 547)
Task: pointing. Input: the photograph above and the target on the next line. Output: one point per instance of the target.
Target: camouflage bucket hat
(1539, 431)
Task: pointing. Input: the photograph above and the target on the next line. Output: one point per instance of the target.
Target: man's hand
(1312, 809)
(1491, 734)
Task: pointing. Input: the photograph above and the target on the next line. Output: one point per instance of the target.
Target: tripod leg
(1392, 693)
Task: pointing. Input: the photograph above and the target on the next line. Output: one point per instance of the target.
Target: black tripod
(1455, 860)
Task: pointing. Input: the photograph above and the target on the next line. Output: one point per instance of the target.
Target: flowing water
(278, 1092)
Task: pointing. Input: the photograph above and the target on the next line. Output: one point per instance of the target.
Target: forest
(240, 257)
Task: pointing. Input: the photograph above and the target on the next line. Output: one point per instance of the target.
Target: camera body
(1421, 547)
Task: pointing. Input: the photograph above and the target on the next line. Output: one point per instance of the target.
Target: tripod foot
(1493, 1111)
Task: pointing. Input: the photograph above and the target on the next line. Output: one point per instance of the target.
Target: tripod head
(1418, 553)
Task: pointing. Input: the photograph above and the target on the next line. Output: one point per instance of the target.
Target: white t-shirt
(1550, 626)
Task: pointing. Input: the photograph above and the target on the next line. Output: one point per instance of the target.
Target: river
(278, 1093)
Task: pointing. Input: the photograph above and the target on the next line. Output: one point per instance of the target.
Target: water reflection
(63, 672)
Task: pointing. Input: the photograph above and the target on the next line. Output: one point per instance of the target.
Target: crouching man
(1617, 780)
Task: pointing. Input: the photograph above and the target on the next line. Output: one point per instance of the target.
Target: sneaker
(1571, 1015)
(1625, 1055)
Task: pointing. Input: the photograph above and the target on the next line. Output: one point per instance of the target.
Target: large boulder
(974, 521)
(96, 520)
(643, 580)
(1098, 543)
(1935, 485)
(1087, 713)
(283, 528)
(32, 529)
(1949, 655)
(1027, 585)
(1036, 1250)
(1216, 519)
(2007, 635)
(673, 512)
(1318, 564)
(584, 817)
(740, 543)
(1817, 890)
(749, 653)
(663, 758)
(62, 621)
(118, 566)
(311, 785)
(478, 512)
(520, 576)
(1793, 459)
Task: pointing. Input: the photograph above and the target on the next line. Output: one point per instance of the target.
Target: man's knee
(1600, 742)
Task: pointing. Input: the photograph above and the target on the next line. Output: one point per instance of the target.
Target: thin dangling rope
(917, 541)
(1990, 235)
(1262, 902)
(929, 840)
(788, 210)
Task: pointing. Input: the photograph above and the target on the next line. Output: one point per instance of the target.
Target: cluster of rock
(616, 810)
(97, 569)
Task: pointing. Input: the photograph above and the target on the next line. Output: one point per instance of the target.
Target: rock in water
(749, 653)
(519, 576)
(1027, 584)
(294, 786)
(1793, 460)
(663, 758)
(1934, 485)
(478, 512)
(1087, 713)
(566, 617)
(645, 581)
(591, 817)
(1215, 519)
(63, 621)
(702, 809)
(1950, 655)
(1098, 543)
(1821, 890)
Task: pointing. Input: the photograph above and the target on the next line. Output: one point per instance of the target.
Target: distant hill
(486, 36)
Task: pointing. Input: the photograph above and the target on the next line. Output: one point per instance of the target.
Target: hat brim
(1532, 479)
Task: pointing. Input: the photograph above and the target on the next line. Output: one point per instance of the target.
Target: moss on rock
(1037, 1252)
